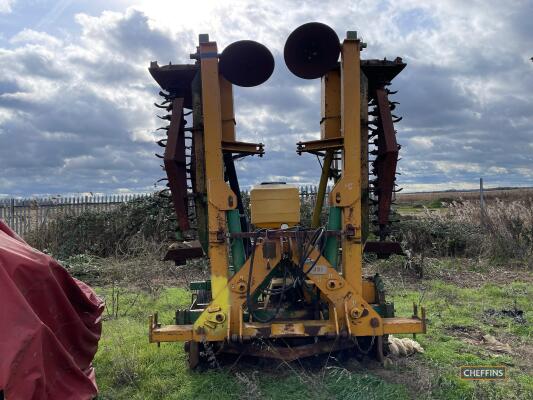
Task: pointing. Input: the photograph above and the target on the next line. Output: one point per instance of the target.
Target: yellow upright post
(330, 127)
(219, 196)
(330, 123)
(228, 115)
(347, 192)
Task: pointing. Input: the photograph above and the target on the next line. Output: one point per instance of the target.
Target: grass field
(459, 297)
(435, 198)
(414, 204)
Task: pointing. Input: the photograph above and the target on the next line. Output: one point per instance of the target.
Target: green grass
(128, 367)
(451, 308)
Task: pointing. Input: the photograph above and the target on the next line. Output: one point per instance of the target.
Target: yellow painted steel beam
(354, 314)
(333, 143)
(347, 191)
(330, 122)
(219, 196)
(300, 328)
(227, 112)
(278, 329)
(291, 328)
(171, 333)
(403, 325)
(243, 147)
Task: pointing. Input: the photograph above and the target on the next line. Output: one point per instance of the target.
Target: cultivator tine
(164, 105)
(177, 156)
(175, 160)
(383, 167)
(393, 104)
(167, 96)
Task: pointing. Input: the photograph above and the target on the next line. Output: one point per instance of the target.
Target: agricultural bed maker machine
(278, 289)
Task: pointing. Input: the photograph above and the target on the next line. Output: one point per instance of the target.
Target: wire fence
(25, 215)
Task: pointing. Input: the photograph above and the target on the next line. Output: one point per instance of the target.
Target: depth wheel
(379, 349)
(193, 350)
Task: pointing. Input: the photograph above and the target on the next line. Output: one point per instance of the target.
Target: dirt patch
(461, 331)
(468, 278)
(515, 314)
(508, 344)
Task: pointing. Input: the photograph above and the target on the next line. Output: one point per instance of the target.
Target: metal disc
(311, 50)
(246, 63)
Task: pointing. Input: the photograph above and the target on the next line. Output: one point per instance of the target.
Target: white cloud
(6, 6)
(498, 170)
(420, 142)
(525, 172)
(30, 36)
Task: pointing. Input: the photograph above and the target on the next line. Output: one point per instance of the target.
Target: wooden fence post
(12, 214)
(481, 202)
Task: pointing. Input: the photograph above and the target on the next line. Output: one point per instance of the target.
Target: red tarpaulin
(49, 326)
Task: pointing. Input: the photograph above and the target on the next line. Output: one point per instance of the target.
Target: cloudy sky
(76, 111)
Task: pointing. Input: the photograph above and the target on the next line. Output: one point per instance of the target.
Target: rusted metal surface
(387, 158)
(198, 162)
(180, 252)
(183, 165)
(314, 146)
(175, 164)
(381, 71)
(383, 136)
(243, 148)
(175, 79)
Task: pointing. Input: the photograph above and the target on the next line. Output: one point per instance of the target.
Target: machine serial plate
(319, 270)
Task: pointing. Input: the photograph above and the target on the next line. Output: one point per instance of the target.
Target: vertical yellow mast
(347, 192)
(227, 113)
(219, 196)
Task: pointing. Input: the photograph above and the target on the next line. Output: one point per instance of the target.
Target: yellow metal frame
(349, 296)
(220, 197)
(223, 319)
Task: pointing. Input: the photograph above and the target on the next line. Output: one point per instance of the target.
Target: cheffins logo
(486, 373)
